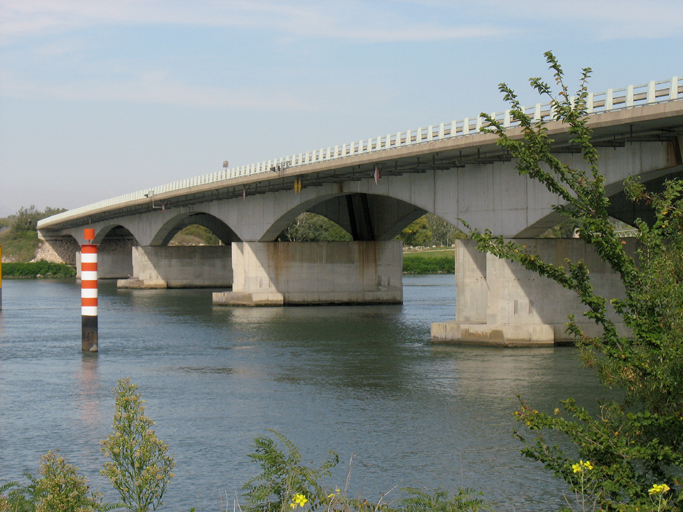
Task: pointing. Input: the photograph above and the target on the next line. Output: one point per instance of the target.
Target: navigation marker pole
(89, 292)
(0, 278)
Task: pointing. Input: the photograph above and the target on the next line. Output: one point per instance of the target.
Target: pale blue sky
(103, 97)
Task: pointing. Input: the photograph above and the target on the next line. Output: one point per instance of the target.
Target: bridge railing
(597, 103)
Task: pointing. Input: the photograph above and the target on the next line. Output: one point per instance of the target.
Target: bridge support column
(287, 273)
(502, 303)
(111, 265)
(180, 267)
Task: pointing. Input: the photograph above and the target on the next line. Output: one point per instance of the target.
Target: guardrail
(597, 103)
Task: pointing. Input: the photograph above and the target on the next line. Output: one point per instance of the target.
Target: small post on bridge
(89, 292)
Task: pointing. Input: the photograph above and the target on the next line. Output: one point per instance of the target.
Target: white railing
(610, 100)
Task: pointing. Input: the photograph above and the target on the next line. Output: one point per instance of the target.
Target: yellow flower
(578, 468)
(299, 499)
(659, 489)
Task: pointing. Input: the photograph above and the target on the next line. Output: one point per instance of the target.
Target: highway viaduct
(374, 188)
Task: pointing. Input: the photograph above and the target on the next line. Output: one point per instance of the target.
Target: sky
(99, 98)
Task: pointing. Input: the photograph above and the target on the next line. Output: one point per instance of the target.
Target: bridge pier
(501, 303)
(180, 267)
(287, 273)
(111, 265)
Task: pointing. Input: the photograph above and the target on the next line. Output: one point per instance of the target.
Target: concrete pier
(501, 303)
(287, 273)
(112, 265)
(180, 267)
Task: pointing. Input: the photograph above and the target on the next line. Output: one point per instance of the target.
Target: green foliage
(140, 469)
(283, 478)
(634, 443)
(311, 227)
(59, 488)
(420, 263)
(194, 234)
(39, 268)
(439, 500)
(416, 234)
(19, 243)
(430, 230)
(19, 246)
(26, 219)
(286, 485)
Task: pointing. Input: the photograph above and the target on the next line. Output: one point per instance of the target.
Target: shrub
(417, 264)
(140, 469)
(59, 488)
(284, 480)
(39, 268)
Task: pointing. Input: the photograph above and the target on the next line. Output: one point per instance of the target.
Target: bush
(419, 264)
(39, 268)
(58, 489)
(140, 467)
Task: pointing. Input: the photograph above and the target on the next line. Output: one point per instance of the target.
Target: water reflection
(89, 391)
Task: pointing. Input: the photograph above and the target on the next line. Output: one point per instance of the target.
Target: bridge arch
(112, 232)
(171, 227)
(621, 207)
(366, 217)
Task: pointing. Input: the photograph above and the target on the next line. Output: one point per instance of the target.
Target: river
(361, 380)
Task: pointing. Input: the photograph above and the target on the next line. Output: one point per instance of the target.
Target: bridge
(374, 188)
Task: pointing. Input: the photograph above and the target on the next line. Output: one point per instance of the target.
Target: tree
(26, 219)
(140, 469)
(630, 455)
(429, 230)
(311, 227)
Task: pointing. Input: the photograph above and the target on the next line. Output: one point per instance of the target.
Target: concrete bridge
(374, 188)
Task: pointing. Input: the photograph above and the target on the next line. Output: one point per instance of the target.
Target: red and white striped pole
(89, 292)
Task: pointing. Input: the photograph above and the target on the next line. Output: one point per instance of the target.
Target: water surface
(359, 380)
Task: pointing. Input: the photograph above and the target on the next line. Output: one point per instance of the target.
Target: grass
(437, 261)
(19, 247)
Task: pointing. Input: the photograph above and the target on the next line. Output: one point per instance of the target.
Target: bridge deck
(653, 111)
